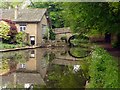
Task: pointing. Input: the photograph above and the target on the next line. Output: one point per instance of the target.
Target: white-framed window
(22, 26)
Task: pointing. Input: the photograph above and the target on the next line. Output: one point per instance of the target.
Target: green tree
(8, 30)
(83, 17)
(55, 12)
(7, 5)
(4, 29)
(52, 35)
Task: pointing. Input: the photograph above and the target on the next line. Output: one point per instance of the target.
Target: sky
(60, 0)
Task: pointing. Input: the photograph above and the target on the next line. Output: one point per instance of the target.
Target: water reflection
(42, 68)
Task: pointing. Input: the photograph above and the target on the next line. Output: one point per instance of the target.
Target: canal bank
(30, 47)
(22, 48)
(50, 44)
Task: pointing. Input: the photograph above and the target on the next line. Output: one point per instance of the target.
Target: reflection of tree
(64, 53)
(11, 59)
(12, 65)
(63, 77)
(5, 65)
(50, 55)
(19, 56)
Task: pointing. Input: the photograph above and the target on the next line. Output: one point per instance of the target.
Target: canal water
(45, 68)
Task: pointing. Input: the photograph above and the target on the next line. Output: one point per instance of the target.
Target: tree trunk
(108, 37)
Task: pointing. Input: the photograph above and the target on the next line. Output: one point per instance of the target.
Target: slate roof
(24, 15)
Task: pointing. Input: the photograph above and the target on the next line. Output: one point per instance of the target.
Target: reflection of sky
(76, 68)
(28, 85)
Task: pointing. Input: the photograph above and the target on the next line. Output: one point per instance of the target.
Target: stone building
(34, 22)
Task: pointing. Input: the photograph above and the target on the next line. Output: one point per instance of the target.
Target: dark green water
(44, 68)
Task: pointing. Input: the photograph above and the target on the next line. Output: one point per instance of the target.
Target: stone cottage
(34, 22)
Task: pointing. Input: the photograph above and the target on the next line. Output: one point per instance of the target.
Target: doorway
(32, 40)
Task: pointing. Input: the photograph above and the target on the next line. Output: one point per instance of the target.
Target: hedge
(103, 70)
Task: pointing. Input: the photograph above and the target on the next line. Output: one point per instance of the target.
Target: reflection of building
(21, 78)
(36, 62)
(30, 64)
(30, 71)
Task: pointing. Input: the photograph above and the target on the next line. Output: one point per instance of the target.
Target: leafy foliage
(11, 46)
(103, 70)
(66, 78)
(64, 38)
(7, 5)
(84, 17)
(7, 29)
(54, 10)
(52, 34)
(13, 28)
(20, 37)
(4, 29)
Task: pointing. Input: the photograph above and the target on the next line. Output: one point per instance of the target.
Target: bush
(64, 38)
(116, 44)
(103, 70)
(52, 35)
(10, 46)
(20, 37)
(45, 37)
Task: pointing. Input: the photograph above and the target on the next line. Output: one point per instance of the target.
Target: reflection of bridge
(61, 61)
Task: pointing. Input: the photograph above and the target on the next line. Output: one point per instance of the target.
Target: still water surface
(44, 68)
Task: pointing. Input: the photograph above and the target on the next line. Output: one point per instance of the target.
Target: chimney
(16, 12)
(0, 14)
(9, 7)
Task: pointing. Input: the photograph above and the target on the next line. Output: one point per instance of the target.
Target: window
(44, 30)
(32, 55)
(22, 26)
(22, 65)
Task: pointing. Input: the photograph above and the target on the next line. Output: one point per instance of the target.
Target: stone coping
(21, 48)
(29, 47)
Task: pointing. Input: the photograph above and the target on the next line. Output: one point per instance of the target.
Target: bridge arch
(76, 36)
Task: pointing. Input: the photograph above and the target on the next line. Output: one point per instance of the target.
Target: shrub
(64, 38)
(45, 37)
(20, 37)
(116, 44)
(52, 35)
(103, 70)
